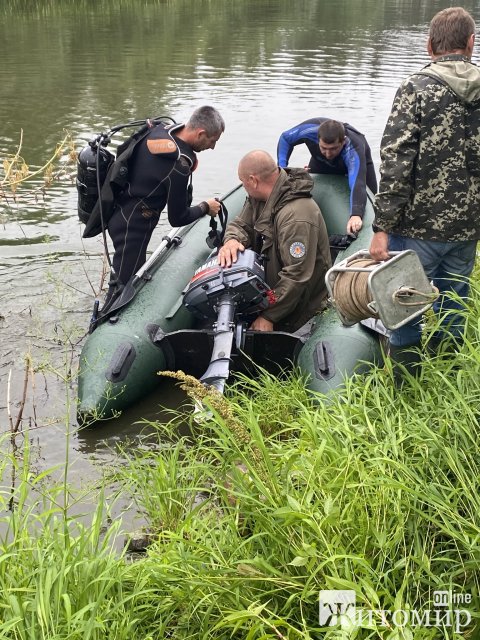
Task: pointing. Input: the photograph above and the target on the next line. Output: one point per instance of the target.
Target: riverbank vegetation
(271, 499)
(21, 183)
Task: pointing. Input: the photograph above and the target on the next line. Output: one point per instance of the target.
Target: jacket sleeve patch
(160, 146)
(297, 249)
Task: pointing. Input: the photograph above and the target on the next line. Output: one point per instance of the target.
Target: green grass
(60, 577)
(277, 496)
(375, 491)
(368, 498)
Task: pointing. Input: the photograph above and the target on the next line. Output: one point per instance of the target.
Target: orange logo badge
(161, 146)
(297, 249)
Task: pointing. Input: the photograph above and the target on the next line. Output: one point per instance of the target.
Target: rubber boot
(405, 359)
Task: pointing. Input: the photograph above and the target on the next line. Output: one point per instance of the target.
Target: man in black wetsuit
(160, 172)
(337, 148)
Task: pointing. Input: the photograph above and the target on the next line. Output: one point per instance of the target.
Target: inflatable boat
(151, 327)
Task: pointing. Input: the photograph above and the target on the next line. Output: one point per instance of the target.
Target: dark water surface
(83, 66)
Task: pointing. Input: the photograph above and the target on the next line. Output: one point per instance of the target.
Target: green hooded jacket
(290, 232)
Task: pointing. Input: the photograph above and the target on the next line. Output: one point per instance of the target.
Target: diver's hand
(228, 253)
(261, 324)
(355, 223)
(213, 206)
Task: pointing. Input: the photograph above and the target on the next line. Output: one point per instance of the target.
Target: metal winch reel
(396, 291)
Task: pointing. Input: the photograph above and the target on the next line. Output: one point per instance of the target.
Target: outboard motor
(223, 294)
(231, 297)
(243, 283)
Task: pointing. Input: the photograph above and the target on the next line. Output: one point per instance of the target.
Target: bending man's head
(258, 172)
(451, 31)
(205, 126)
(331, 138)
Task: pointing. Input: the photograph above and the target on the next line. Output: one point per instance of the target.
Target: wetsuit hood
(461, 75)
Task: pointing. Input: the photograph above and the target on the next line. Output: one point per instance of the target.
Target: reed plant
(15, 173)
(61, 572)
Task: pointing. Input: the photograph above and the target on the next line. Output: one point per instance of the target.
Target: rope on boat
(351, 293)
(406, 292)
(353, 297)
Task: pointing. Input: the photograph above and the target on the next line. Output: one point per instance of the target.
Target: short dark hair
(450, 30)
(207, 118)
(331, 131)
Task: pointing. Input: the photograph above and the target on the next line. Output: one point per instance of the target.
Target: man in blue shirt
(337, 148)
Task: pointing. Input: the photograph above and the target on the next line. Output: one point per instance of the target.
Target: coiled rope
(401, 294)
(353, 297)
(350, 291)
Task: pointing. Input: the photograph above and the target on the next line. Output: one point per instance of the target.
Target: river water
(82, 66)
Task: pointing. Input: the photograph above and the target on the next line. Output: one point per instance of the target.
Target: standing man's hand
(379, 246)
(213, 207)
(261, 324)
(354, 224)
(228, 253)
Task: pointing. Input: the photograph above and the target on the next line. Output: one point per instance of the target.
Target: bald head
(258, 163)
(258, 172)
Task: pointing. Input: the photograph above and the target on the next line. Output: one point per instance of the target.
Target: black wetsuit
(155, 182)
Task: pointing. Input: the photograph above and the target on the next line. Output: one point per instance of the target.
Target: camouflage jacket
(430, 153)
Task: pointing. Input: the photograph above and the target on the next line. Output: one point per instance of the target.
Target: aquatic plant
(16, 172)
(61, 575)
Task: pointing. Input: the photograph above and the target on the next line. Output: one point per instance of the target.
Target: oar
(172, 239)
(166, 243)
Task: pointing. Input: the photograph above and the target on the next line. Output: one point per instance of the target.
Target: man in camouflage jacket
(281, 220)
(429, 194)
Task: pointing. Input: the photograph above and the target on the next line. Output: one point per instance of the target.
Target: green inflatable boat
(150, 329)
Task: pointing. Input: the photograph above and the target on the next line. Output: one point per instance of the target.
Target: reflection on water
(42, 239)
(91, 64)
(162, 404)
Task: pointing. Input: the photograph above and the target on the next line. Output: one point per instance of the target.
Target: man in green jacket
(281, 220)
(429, 194)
